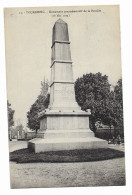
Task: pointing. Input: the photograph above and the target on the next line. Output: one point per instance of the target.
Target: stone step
(79, 133)
(42, 145)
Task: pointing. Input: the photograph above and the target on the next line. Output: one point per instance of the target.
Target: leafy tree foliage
(119, 106)
(10, 115)
(115, 109)
(40, 104)
(90, 91)
(93, 92)
(118, 92)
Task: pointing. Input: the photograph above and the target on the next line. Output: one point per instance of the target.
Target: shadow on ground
(26, 156)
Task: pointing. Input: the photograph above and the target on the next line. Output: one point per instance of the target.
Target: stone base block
(53, 134)
(43, 145)
(51, 120)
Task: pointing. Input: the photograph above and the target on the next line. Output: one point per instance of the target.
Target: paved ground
(101, 173)
(17, 145)
(117, 147)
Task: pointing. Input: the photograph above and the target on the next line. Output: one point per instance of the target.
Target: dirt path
(100, 173)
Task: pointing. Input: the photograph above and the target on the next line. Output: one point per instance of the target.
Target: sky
(94, 33)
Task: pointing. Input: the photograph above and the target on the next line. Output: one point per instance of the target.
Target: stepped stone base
(43, 145)
(65, 131)
(54, 134)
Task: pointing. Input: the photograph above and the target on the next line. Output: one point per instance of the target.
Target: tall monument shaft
(63, 126)
(62, 95)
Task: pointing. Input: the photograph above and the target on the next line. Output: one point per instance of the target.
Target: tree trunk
(36, 132)
(110, 132)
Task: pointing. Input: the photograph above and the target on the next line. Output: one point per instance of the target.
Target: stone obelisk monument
(64, 125)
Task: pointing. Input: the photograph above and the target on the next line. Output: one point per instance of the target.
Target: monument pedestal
(65, 131)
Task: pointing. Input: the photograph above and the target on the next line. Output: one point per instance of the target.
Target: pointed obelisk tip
(60, 21)
(60, 31)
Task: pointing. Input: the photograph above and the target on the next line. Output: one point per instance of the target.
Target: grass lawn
(26, 156)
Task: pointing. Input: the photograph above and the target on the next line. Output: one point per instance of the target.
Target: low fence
(26, 136)
(101, 133)
(107, 133)
(30, 135)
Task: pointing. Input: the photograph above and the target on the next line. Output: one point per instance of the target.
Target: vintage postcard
(64, 96)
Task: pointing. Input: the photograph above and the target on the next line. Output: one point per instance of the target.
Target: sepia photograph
(64, 96)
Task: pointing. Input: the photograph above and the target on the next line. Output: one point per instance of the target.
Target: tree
(116, 108)
(118, 92)
(109, 109)
(10, 115)
(40, 104)
(119, 107)
(91, 90)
